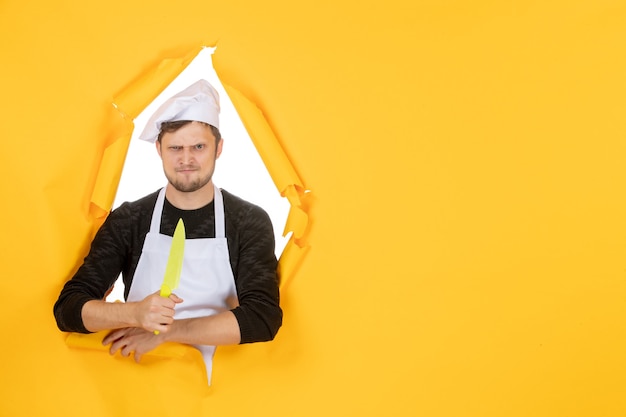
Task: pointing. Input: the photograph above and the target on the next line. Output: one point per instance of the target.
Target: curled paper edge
(285, 179)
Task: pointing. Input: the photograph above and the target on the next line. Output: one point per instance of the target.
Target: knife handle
(165, 292)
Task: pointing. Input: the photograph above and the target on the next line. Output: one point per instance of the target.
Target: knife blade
(174, 265)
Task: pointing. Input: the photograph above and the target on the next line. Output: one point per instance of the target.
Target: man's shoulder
(237, 209)
(146, 201)
(233, 202)
(232, 198)
(140, 206)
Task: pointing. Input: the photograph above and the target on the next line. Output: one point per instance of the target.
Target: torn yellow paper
(280, 168)
(130, 102)
(467, 159)
(137, 96)
(284, 176)
(290, 260)
(109, 175)
(297, 221)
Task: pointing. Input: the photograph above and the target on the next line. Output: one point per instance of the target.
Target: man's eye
(200, 146)
(176, 148)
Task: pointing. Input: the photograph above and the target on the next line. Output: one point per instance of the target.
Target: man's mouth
(186, 169)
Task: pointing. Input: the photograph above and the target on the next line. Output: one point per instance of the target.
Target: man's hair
(170, 127)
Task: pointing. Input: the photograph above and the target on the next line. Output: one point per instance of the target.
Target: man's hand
(152, 313)
(155, 312)
(132, 339)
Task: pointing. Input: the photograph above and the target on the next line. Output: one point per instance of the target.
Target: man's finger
(112, 337)
(176, 298)
(115, 346)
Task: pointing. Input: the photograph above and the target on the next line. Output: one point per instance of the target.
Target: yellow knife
(174, 262)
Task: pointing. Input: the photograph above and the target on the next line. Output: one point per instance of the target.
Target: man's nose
(187, 155)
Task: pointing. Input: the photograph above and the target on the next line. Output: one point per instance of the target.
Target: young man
(228, 291)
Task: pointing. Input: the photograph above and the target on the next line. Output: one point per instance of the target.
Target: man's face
(188, 156)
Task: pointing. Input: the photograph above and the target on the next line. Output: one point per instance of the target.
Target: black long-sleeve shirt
(118, 244)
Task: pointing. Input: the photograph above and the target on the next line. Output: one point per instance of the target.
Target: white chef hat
(198, 102)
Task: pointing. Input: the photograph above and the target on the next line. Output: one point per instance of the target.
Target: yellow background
(467, 236)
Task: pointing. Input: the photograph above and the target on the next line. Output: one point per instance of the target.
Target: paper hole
(239, 170)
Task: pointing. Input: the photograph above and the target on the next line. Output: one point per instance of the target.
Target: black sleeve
(259, 314)
(99, 271)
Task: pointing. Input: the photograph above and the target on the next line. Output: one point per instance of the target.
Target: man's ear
(158, 147)
(218, 151)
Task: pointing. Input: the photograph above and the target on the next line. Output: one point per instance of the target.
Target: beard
(191, 185)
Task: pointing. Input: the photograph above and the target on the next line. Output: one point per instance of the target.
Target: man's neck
(190, 200)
